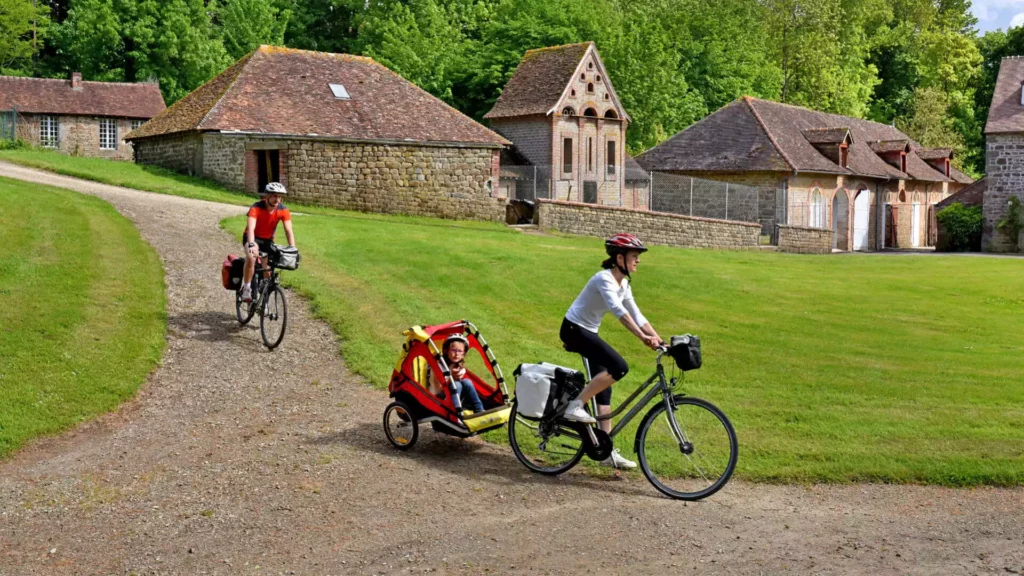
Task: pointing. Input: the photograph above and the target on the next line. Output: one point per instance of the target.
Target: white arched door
(915, 226)
(861, 220)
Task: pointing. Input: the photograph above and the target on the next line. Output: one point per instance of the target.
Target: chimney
(76, 80)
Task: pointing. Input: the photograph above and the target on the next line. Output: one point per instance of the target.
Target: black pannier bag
(685, 350)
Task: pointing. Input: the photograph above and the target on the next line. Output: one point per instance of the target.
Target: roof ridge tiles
(67, 80)
(559, 47)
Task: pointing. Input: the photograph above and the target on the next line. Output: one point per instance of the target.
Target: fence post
(691, 196)
(534, 182)
(650, 194)
(726, 200)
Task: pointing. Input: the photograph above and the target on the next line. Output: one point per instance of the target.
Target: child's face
(456, 352)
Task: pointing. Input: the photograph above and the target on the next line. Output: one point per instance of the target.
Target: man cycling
(260, 228)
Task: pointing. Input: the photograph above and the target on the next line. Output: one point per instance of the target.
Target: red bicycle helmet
(622, 243)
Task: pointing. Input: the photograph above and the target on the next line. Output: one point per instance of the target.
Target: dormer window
(903, 161)
(844, 155)
(947, 167)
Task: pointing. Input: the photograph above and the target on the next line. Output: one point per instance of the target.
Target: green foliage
(18, 18)
(247, 24)
(1013, 223)
(15, 144)
(79, 334)
(963, 226)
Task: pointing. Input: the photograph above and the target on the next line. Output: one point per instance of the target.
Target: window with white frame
(817, 216)
(136, 124)
(108, 134)
(49, 131)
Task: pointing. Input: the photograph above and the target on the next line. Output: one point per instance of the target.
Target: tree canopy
(919, 64)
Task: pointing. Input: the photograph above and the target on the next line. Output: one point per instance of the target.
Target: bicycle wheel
(245, 310)
(400, 426)
(700, 465)
(273, 317)
(543, 448)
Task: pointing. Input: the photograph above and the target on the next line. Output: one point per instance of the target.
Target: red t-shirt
(266, 221)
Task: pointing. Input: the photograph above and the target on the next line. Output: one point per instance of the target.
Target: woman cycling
(607, 291)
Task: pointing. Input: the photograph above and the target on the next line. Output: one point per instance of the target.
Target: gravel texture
(236, 460)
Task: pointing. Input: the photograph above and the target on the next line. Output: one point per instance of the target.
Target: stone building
(337, 130)
(561, 113)
(77, 117)
(1004, 152)
(869, 183)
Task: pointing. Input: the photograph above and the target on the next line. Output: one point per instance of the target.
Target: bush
(1013, 224)
(962, 226)
(16, 144)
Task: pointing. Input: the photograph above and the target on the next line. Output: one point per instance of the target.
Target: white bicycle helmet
(454, 338)
(275, 188)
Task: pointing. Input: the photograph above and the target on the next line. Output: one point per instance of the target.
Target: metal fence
(629, 188)
(8, 124)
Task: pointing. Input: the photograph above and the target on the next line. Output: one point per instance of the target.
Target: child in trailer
(454, 350)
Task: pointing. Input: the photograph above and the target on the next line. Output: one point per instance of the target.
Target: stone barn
(1004, 153)
(75, 116)
(337, 130)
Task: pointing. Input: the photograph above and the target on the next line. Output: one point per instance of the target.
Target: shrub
(1013, 223)
(16, 144)
(963, 226)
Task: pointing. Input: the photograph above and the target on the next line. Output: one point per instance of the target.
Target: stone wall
(804, 240)
(78, 135)
(445, 182)
(651, 227)
(179, 152)
(1004, 172)
(223, 159)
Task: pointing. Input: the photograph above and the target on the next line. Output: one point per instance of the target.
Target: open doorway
(841, 221)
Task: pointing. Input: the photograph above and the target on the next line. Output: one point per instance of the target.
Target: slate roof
(972, 195)
(826, 135)
(634, 171)
(759, 135)
(539, 81)
(1006, 114)
(54, 96)
(281, 91)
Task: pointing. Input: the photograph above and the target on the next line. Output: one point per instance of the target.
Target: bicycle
(268, 298)
(678, 425)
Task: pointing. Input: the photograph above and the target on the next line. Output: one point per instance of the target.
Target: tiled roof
(759, 135)
(1006, 114)
(634, 171)
(52, 96)
(972, 195)
(884, 146)
(539, 80)
(826, 135)
(935, 153)
(282, 91)
(959, 176)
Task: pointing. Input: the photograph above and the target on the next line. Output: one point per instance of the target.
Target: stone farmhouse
(564, 119)
(869, 183)
(337, 130)
(77, 117)
(1004, 152)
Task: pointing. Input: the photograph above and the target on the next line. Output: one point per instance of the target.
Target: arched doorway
(841, 221)
(915, 222)
(861, 219)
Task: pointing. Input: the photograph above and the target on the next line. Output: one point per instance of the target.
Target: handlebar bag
(286, 258)
(543, 388)
(685, 350)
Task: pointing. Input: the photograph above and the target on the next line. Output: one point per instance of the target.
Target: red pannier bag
(231, 272)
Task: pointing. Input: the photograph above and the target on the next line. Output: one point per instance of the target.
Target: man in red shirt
(259, 230)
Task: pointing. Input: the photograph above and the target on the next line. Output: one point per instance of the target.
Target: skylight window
(339, 91)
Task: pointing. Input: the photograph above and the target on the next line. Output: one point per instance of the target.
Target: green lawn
(832, 368)
(77, 335)
(127, 174)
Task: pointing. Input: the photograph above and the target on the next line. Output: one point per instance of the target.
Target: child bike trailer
(415, 405)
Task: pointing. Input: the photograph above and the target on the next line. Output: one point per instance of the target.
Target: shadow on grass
(475, 460)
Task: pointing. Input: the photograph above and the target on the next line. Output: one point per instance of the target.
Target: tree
(246, 24)
(173, 41)
(18, 20)
(930, 124)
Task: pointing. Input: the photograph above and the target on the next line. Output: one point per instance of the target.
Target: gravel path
(235, 460)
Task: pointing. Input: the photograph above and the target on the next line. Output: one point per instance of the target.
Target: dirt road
(235, 460)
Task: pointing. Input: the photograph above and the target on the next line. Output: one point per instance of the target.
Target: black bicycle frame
(660, 387)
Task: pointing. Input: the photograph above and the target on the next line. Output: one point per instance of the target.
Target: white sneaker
(246, 293)
(575, 413)
(616, 460)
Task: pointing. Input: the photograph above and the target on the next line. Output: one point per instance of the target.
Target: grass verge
(833, 369)
(77, 335)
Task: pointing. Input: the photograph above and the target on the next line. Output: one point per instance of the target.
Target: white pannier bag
(537, 392)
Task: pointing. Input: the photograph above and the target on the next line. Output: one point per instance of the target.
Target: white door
(915, 226)
(861, 217)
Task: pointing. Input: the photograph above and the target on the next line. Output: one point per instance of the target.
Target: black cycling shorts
(262, 245)
(600, 356)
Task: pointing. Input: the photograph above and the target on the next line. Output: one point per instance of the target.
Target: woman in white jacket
(607, 291)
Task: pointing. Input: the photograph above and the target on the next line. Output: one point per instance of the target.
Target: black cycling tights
(600, 356)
